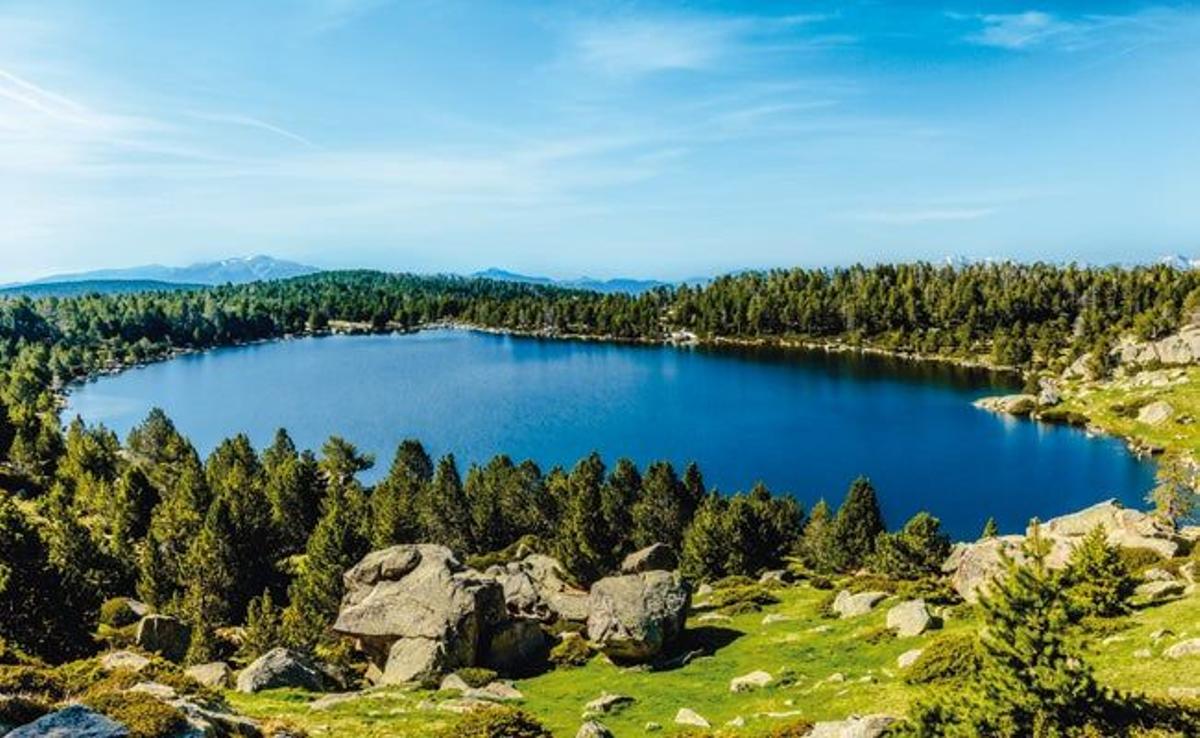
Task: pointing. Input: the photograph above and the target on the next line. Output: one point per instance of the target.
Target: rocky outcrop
(909, 619)
(1180, 348)
(1125, 528)
(750, 682)
(848, 605)
(688, 716)
(417, 612)
(75, 721)
(871, 726)
(537, 587)
(593, 729)
(123, 660)
(1009, 404)
(217, 674)
(655, 557)
(279, 668)
(1184, 649)
(607, 703)
(632, 618)
(164, 635)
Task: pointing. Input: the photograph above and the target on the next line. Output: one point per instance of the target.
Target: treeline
(1032, 316)
(263, 538)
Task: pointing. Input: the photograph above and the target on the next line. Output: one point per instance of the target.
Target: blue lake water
(802, 422)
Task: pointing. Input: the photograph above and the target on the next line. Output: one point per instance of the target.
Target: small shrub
(10, 655)
(825, 606)
(572, 652)
(879, 634)
(476, 677)
(753, 593)
(117, 613)
(143, 715)
(32, 681)
(732, 582)
(872, 583)
(739, 608)
(1103, 627)
(795, 729)
(528, 543)
(115, 639)
(820, 582)
(935, 591)
(1138, 560)
(947, 657)
(498, 722)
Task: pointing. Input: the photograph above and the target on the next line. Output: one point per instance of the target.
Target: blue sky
(568, 138)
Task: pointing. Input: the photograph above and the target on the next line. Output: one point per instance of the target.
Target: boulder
(607, 703)
(123, 660)
(848, 605)
(973, 566)
(908, 658)
(687, 716)
(593, 729)
(1179, 348)
(776, 617)
(75, 721)
(871, 726)
(750, 682)
(453, 682)
(281, 667)
(1183, 649)
(775, 576)
(495, 692)
(633, 617)
(655, 557)
(909, 618)
(417, 612)
(1124, 527)
(164, 635)
(1008, 404)
(1049, 394)
(538, 587)
(516, 645)
(1159, 590)
(217, 674)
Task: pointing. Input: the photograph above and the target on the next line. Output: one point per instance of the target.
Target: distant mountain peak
(1179, 261)
(232, 270)
(608, 286)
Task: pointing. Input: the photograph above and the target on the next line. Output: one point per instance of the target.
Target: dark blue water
(803, 422)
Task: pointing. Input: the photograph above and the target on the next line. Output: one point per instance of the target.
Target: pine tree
(816, 545)
(445, 511)
(294, 490)
(263, 627)
(915, 551)
(618, 496)
(580, 544)
(859, 521)
(337, 543)
(1098, 581)
(395, 500)
(1176, 496)
(664, 511)
(209, 576)
(990, 529)
(237, 481)
(693, 484)
(706, 546)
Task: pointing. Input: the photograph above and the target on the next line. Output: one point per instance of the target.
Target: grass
(871, 683)
(1112, 406)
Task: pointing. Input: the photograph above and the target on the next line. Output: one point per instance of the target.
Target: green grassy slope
(812, 648)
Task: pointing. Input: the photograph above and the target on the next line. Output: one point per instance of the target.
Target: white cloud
(1039, 29)
(252, 122)
(641, 46)
(1019, 30)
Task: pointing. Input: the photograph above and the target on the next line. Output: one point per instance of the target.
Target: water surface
(802, 422)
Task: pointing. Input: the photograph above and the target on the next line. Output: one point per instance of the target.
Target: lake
(804, 422)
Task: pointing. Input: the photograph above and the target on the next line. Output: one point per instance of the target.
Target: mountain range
(237, 270)
(606, 286)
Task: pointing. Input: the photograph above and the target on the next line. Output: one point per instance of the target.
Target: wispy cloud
(1042, 29)
(248, 121)
(918, 216)
(640, 46)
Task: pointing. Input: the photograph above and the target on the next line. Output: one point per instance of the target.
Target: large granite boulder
(633, 617)
(973, 566)
(848, 605)
(537, 587)
(164, 635)
(417, 612)
(655, 557)
(216, 674)
(1125, 528)
(75, 721)
(279, 668)
(1180, 348)
(516, 646)
(910, 618)
(870, 726)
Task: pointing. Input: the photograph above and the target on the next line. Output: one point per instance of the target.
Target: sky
(641, 139)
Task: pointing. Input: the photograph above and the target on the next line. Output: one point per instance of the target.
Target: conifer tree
(580, 544)
(706, 546)
(484, 489)
(990, 529)
(915, 551)
(618, 496)
(209, 576)
(395, 500)
(445, 510)
(263, 627)
(859, 521)
(693, 484)
(816, 545)
(663, 512)
(1098, 580)
(237, 480)
(294, 490)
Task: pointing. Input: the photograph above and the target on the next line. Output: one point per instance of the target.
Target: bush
(733, 582)
(19, 710)
(143, 715)
(1138, 560)
(117, 613)
(31, 681)
(572, 652)
(879, 634)
(740, 595)
(796, 729)
(497, 722)
(476, 677)
(12, 656)
(947, 657)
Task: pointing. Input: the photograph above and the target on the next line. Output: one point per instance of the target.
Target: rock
(908, 658)
(495, 692)
(706, 589)
(418, 613)
(1143, 653)
(1156, 413)
(713, 617)
(775, 576)
(75, 721)
(537, 587)
(848, 605)
(750, 682)
(737, 722)
(281, 667)
(871, 726)
(1180, 348)
(1157, 575)
(1188, 571)
(593, 729)
(1183, 649)
(1159, 590)
(655, 557)
(453, 682)
(632, 618)
(687, 716)
(156, 690)
(1125, 528)
(123, 660)
(607, 703)
(1008, 404)
(1160, 634)
(516, 645)
(909, 618)
(463, 706)
(1049, 394)
(776, 617)
(652, 727)
(217, 674)
(164, 635)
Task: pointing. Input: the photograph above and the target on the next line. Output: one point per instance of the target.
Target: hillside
(239, 270)
(94, 287)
